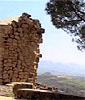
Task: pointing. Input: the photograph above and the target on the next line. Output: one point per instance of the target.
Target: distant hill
(61, 68)
(74, 85)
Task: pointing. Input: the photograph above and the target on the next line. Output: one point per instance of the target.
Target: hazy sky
(57, 45)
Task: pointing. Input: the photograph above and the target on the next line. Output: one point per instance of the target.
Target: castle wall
(19, 50)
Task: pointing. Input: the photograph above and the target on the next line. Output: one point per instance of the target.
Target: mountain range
(61, 68)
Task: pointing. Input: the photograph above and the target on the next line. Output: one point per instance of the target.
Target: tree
(69, 15)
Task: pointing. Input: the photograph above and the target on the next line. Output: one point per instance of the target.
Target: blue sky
(57, 45)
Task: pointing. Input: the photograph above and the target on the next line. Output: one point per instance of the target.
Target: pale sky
(57, 45)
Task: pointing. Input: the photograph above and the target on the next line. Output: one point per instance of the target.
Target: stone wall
(24, 91)
(19, 50)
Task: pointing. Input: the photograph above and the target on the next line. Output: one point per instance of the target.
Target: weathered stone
(19, 50)
(36, 94)
(19, 85)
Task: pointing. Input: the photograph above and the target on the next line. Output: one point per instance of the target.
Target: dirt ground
(6, 98)
(9, 98)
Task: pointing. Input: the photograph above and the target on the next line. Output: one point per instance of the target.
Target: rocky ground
(6, 90)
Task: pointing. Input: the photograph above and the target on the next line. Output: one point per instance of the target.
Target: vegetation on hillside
(68, 84)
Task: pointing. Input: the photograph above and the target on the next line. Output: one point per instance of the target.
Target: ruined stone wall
(19, 50)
